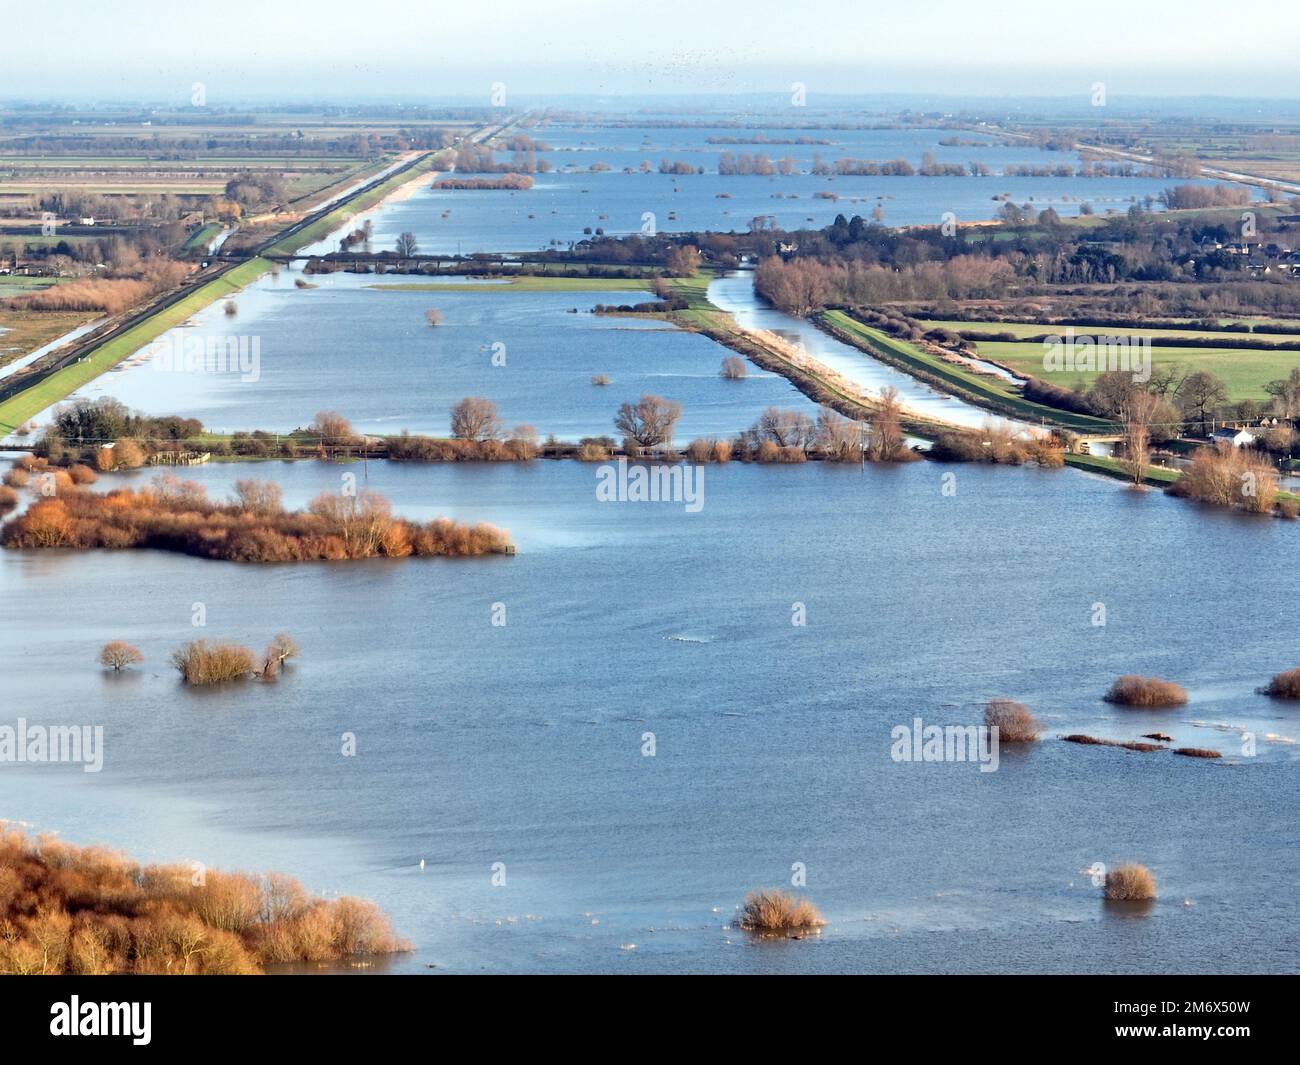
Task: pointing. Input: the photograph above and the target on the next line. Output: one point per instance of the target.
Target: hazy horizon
(323, 52)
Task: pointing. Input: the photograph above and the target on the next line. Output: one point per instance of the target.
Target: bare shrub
(775, 912)
(259, 497)
(117, 655)
(1229, 477)
(593, 451)
(1014, 722)
(699, 450)
(1133, 690)
(722, 451)
(433, 316)
(201, 662)
(1130, 882)
(175, 515)
(8, 499)
(600, 379)
(17, 477)
(1285, 685)
(734, 368)
(87, 911)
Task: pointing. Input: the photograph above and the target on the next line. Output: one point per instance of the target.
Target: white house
(1233, 437)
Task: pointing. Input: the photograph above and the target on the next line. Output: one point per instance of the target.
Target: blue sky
(385, 49)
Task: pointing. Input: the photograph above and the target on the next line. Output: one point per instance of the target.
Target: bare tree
(407, 245)
(650, 421)
(1138, 414)
(475, 418)
(1200, 395)
(786, 428)
(839, 437)
(117, 655)
(259, 497)
(887, 440)
(330, 427)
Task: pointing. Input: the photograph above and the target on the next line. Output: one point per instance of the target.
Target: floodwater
(370, 354)
(572, 202)
(680, 706)
(518, 749)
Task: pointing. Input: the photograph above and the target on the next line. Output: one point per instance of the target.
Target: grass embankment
(983, 390)
(204, 235)
(20, 408)
(526, 283)
(338, 217)
(817, 382)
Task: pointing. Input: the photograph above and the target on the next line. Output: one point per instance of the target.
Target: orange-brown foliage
(173, 515)
(85, 910)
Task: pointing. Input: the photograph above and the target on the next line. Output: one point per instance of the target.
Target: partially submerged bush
(1285, 685)
(1130, 882)
(1197, 752)
(175, 515)
(600, 379)
(8, 499)
(1229, 477)
(734, 368)
(201, 662)
(1014, 722)
(774, 912)
(1132, 690)
(88, 911)
(118, 654)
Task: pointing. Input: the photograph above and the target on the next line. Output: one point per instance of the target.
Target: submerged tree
(118, 654)
(650, 421)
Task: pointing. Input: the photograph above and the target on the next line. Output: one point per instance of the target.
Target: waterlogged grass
(25, 331)
(27, 404)
(983, 389)
(1245, 371)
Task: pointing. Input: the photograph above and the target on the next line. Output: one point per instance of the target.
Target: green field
(1245, 371)
(1033, 329)
(25, 405)
(983, 389)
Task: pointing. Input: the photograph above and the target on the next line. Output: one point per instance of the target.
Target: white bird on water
(421, 863)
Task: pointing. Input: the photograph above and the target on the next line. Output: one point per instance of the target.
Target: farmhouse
(1232, 437)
